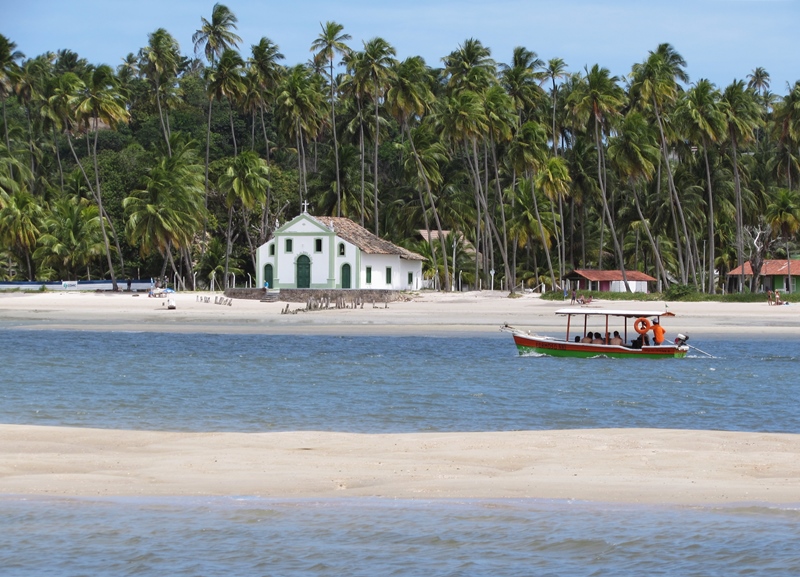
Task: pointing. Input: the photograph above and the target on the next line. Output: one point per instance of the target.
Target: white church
(325, 252)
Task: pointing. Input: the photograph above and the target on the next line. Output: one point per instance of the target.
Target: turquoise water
(384, 384)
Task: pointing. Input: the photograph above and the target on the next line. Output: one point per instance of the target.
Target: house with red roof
(774, 275)
(608, 280)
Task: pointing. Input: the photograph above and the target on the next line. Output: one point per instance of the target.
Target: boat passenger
(588, 338)
(598, 340)
(577, 338)
(637, 342)
(645, 340)
(658, 332)
(616, 339)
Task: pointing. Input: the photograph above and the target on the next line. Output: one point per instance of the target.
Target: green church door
(345, 276)
(268, 276)
(303, 272)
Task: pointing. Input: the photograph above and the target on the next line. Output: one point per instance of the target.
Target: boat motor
(681, 339)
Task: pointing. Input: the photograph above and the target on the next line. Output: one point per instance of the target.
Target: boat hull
(533, 344)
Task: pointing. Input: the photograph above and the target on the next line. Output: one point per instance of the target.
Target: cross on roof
(305, 206)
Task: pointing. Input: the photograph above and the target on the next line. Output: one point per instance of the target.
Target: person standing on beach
(769, 297)
(572, 302)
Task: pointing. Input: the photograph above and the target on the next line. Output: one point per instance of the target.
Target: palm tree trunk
(672, 189)
(205, 197)
(541, 234)
(161, 119)
(233, 132)
(375, 162)
(612, 231)
(228, 245)
(711, 279)
(335, 148)
(363, 160)
(58, 157)
(265, 211)
(8, 142)
(299, 162)
(737, 183)
(656, 253)
(504, 244)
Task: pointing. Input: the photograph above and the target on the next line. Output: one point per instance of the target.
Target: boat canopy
(613, 312)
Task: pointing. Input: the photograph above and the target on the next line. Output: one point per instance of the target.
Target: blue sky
(720, 39)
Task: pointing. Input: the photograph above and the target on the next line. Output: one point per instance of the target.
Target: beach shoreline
(424, 313)
(650, 466)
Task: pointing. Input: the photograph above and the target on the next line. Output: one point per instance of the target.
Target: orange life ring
(642, 325)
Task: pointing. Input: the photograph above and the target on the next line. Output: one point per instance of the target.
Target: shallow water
(244, 536)
(381, 384)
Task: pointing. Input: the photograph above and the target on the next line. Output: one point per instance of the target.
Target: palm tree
(597, 99)
(244, 182)
(655, 87)
(556, 69)
(160, 60)
(783, 216)
(553, 179)
(787, 125)
(705, 123)
(519, 79)
(8, 69)
(528, 155)
(758, 80)
(743, 117)
(298, 104)
(409, 97)
(167, 210)
(19, 219)
(225, 82)
(28, 86)
(470, 67)
(356, 85)
(268, 73)
(378, 60)
(634, 152)
(330, 42)
(215, 37)
(71, 238)
(98, 100)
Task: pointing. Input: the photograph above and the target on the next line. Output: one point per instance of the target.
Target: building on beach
(325, 252)
(608, 280)
(774, 275)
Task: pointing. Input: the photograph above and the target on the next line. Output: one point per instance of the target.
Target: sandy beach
(609, 465)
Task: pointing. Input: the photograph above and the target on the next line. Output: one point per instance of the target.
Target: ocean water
(375, 385)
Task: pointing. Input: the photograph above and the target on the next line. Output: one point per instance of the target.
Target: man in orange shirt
(658, 332)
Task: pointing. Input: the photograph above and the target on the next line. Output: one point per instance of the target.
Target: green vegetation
(182, 165)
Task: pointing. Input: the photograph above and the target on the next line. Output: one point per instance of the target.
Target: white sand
(426, 313)
(614, 465)
(622, 465)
